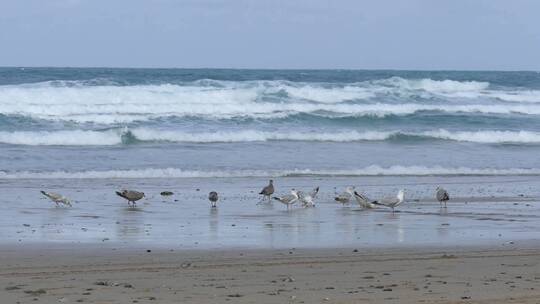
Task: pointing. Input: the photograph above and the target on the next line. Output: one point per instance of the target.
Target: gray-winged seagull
(392, 202)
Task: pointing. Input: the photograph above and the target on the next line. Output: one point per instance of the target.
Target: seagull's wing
(387, 201)
(288, 199)
(363, 201)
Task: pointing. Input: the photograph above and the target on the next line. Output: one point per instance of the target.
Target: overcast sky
(350, 34)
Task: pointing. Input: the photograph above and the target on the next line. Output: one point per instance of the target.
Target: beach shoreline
(483, 248)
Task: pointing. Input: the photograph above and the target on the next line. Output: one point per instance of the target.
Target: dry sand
(33, 274)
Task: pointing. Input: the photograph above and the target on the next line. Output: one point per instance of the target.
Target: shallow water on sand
(484, 210)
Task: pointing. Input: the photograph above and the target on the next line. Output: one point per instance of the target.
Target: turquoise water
(103, 123)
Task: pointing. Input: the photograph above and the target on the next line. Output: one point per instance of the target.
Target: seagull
(345, 197)
(308, 199)
(213, 197)
(57, 198)
(442, 196)
(288, 199)
(268, 190)
(391, 202)
(363, 201)
(131, 196)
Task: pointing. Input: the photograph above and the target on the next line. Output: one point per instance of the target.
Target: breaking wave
(130, 136)
(106, 103)
(180, 173)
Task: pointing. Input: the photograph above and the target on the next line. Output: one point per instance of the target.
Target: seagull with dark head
(268, 190)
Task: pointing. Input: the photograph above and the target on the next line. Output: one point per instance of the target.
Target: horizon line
(267, 69)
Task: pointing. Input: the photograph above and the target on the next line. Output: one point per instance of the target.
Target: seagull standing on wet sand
(442, 196)
(57, 198)
(288, 199)
(268, 190)
(213, 198)
(131, 196)
(345, 197)
(392, 202)
(308, 200)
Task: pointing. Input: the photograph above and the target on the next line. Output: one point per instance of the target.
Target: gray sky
(355, 34)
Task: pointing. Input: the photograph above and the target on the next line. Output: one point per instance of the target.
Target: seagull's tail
(377, 203)
(44, 193)
(276, 198)
(120, 194)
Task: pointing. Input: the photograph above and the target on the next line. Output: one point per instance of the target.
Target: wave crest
(130, 136)
(180, 173)
(106, 103)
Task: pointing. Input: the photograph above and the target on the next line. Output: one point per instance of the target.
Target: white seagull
(346, 196)
(308, 199)
(392, 202)
(288, 199)
(57, 198)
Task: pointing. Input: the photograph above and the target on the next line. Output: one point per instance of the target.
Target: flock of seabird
(306, 199)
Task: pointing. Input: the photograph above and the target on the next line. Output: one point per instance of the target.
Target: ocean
(150, 123)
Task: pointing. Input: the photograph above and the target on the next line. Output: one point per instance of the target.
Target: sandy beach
(105, 275)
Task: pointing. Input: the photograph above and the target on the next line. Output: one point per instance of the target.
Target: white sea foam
(329, 95)
(119, 136)
(254, 135)
(108, 104)
(486, 136)
(435, 86)
(180, 173)
(67, 138)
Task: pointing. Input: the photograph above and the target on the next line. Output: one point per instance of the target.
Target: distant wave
(107, 103)
(127, 113)
(180, 173)
(130, 136)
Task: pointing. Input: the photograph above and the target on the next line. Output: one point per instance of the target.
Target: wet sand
(473, 275)
(483, 210)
